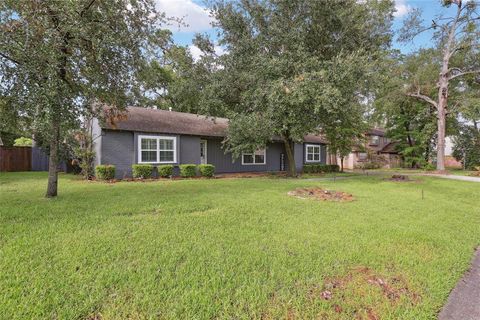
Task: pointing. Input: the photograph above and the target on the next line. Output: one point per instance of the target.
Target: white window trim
(255, 164)
(158, 138)
(206, 149)
(319, 153)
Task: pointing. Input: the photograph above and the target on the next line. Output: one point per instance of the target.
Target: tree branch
(463, 73)
(9, 58)
(424, 98)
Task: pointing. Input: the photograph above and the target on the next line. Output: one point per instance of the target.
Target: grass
(232, 248)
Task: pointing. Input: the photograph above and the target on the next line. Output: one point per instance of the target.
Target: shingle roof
(376, 132)
(390, 148)
(164, 121)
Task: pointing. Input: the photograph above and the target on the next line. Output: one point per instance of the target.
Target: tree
(409, 121)
(56, 55)
(458, 37)
(293, 68)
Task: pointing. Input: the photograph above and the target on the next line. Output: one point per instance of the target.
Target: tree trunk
(292, 168)
(441, 112)
(341, 164)
(53, 161)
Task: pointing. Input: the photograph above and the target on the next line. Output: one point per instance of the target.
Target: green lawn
(232, 248)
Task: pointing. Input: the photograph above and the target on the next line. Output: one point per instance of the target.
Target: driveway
(464, 300)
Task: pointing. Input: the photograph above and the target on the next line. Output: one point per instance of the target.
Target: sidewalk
(464, 300)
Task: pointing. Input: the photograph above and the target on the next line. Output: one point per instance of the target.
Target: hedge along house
(157, 137)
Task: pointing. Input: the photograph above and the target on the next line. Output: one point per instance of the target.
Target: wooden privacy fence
(15, 158)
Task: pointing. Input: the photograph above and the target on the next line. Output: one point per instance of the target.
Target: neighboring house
(167, 137)
(450, 161)
(376, 148)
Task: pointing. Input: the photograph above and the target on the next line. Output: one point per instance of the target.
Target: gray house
(167, 137)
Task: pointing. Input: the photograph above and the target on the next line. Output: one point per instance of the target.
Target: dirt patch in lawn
(361, 293)
(365, 294)
(401, 178)
(321, 194)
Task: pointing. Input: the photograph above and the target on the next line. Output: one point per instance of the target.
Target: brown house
(376, 148)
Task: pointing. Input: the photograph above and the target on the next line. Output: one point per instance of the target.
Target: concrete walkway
(452, 177)
(464, 301)
(442, 176)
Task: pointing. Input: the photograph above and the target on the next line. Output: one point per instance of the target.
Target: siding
(117, 148)
(223, 162)
(120, 149)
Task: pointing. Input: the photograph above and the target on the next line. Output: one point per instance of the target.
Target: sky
(198, 21)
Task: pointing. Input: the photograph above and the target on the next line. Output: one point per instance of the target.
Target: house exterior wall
(120, 148)
(224, 164)
(117, 148)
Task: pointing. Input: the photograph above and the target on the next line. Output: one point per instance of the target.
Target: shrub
(368, 165)
(23, 142)
(165, 171)
(142, 171)
(206, 170)
(188, 170)
(308, 168)
(333, 168)
(105, 172)
(429, 167)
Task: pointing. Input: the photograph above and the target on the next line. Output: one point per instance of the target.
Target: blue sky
(198, 20)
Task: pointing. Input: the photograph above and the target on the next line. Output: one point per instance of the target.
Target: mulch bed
(321, 194)
(401, 178)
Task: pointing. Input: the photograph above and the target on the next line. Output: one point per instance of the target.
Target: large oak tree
(294, 67)
(58, 56)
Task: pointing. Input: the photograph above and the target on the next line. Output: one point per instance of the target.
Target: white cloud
(402, 8)
(196, 53)
(194, 16)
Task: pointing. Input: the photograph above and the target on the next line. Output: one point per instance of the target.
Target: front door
(203, 151)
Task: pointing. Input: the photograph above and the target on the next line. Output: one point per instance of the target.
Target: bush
(429, 167)
(142, 171)
(105, 172)
(165, 171)
(188, 170)
(23, 142)
(206, 170)
(332, 168)
(320, 168)
(308, 168)
(368, 165)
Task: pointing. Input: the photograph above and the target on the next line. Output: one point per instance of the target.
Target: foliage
(269, 238)
(206, 170)
(457, 40)
(57, 57)
(82, 143)
(23, 142)
(368, 165)
(429, 167)
(293, 68)
(105, 172)
(467, 147)
(320, 168)
(165, 171)
(188, 170)
(411, 123)
(142, 171)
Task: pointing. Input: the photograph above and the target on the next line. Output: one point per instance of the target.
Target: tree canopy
(57, 57)
(294, 67)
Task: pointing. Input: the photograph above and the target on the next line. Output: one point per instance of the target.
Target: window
(312, 153)
(157, 149)
(374, 140)
(258, 157)
(362, 156)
